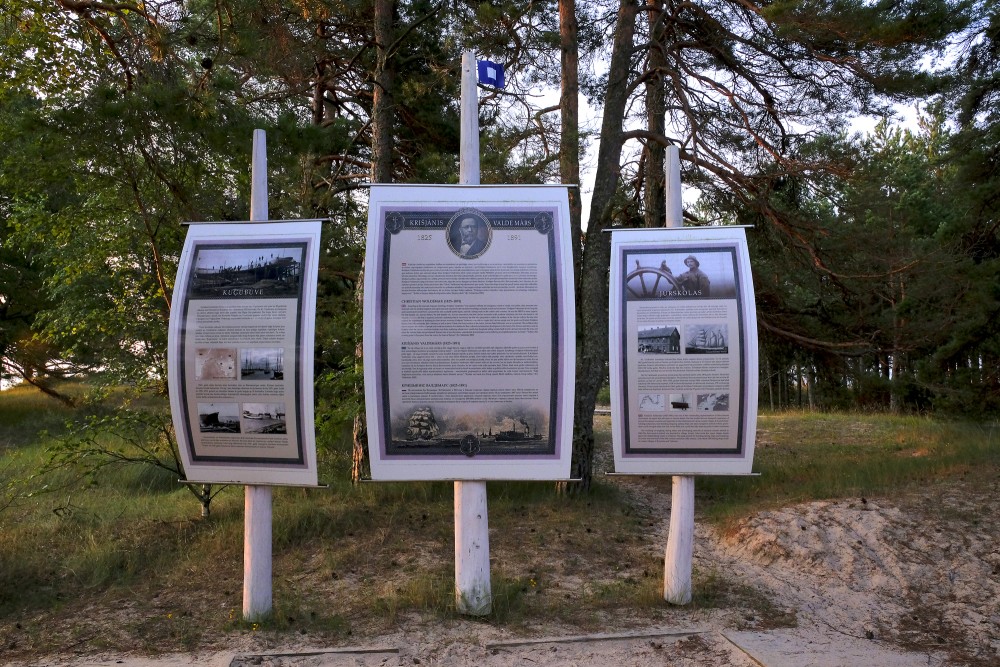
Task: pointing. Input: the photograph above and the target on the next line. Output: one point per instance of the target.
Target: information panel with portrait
(469, 332)
(683, 351)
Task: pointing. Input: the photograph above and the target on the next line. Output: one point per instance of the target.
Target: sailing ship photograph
(706, 339)
(421, 425)
(264, 418)
(218, 418)
(262, 363)
(247, 271)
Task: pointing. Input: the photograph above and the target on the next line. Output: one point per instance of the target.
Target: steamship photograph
(681, 402)
(264, 418)
(219, 417)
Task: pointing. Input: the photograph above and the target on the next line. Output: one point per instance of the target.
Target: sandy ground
(860, 582)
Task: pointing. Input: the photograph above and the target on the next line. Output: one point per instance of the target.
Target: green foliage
(877, 301)
(111, 440)
(120, 436)
(120, 124)
(102, 236)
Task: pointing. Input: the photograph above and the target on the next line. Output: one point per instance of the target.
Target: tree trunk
(206, 500)
(783, 389)
(810, 381)
(383, 126)
(42, 386)
(319, 93)
(896, 361)
(770, 382)
(798, 384)
(654, 194)
(569, 138)
(360, 465)
(383, 106)
(592, 296)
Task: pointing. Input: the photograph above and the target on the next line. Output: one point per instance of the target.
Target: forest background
(875, 257)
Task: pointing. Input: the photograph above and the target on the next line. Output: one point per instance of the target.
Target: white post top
(258, 177)
(468, 173)
(675, 205)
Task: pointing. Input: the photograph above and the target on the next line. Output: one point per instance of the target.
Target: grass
(124, 561)
(804, 456)
(25, 413)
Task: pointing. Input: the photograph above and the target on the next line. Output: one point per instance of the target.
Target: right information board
(683, 348)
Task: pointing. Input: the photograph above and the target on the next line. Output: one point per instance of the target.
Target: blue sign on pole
(490, 73)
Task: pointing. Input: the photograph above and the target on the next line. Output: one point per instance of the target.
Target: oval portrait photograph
(469, 233)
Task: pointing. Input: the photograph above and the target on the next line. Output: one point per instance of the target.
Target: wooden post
(468, 173)
(257, 503)
(473, 595)
(257, 552)
(680, 542)
(679, 555)
(675, 203)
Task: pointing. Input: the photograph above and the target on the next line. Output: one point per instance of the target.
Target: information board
(469, 332)
(683, 343)
(240, 352)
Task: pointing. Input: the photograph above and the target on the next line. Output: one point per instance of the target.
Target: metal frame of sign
(240, 352)
(683, 344)
(469, 332)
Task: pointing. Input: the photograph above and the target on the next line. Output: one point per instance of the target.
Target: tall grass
(803, 456)
(25, 413)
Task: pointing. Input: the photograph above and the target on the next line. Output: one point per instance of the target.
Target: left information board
(240, 353)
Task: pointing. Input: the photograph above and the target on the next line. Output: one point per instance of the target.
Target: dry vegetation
(126, 565)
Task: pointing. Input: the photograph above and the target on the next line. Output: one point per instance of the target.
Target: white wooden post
(257, 504)
(468, 171)
(675, 204)
(677, 561)
(257, 552)
(680, 542)
(473, 595)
